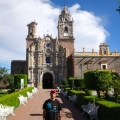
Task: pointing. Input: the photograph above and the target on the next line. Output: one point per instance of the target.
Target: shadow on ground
(35, 114)
(69, 110)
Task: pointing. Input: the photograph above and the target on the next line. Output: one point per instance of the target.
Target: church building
(49, 60)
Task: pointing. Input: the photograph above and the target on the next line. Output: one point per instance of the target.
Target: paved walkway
(33, 109)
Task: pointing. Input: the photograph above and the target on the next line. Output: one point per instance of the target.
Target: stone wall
(95, 63)
(69, 44)
(117, 65)
(18, 67)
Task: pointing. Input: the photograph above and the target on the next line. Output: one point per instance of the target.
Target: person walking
(52, 107)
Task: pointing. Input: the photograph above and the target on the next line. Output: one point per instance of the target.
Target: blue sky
(106, 10)
(95, 22)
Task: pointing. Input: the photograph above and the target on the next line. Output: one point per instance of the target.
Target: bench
(62, 90)
(4, 91)
(65, 93)
(73, 98)
(5, 111)
(34, 90)
(91, 109)
(22, 99)
(30, 95)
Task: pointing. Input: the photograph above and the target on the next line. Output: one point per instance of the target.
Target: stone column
(32, 75)
(43, 58)
(41, 78)
(32, 59)
(39, 58)
(28, 65)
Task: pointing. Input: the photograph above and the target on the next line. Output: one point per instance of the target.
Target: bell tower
(65, 24)
(65, 30)
(31, 37)
(104, 49)
(32, 30)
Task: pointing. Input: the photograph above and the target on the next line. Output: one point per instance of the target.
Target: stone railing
(95, 54)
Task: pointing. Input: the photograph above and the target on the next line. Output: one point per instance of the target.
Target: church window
(60, 59)
(65, 31)
(48, 45)
(31, 31)
(47, 59)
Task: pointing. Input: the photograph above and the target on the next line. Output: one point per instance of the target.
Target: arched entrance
(47, 81)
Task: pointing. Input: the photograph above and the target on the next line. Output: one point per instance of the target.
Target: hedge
(107, 110)
(78, 82)
(12, 99)
(17, 80)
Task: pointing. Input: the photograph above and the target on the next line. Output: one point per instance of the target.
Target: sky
(95, 22)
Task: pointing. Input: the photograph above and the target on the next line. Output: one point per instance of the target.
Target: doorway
(47, 81)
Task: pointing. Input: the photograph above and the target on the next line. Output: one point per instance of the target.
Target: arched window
(31, 31)
(65, 31)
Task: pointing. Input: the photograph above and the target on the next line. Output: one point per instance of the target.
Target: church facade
(49, 60)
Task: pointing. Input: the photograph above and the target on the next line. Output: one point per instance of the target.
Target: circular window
(48, 45)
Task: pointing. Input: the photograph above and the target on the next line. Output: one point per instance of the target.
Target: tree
(4, 77)
(3, 72)
(116, 86)
(17, 80)
(98, 80)
(64, 81)
(115, 76)
(10, 79)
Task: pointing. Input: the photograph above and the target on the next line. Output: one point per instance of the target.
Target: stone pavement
(33, 109)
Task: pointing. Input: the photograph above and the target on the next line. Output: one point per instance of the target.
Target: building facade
(49, 60)
(18, 67)
(102, 60)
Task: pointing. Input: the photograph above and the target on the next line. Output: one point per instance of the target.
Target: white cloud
(16, 14)
(87, 29)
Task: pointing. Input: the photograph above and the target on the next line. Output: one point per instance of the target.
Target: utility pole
(119, 7)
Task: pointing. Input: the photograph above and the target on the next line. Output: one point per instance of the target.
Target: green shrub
(70, 82)
(78, 83)
(64, 81)
(12, 99)
(98, 80)
(115, 76)
(17, 80)
(107, 110)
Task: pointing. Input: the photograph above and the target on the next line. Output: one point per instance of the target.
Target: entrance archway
(47, 81)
